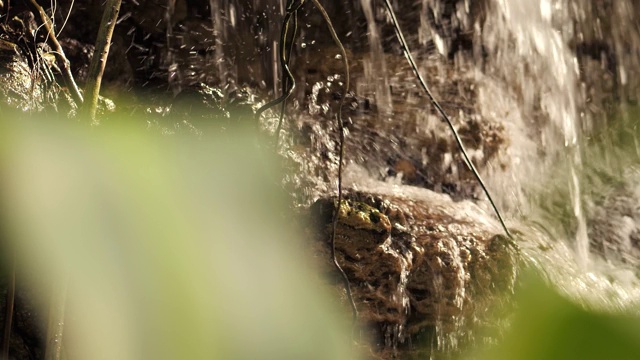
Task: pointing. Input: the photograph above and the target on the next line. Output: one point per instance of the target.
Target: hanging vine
(288, 82)
(288, 85)
(340, 155)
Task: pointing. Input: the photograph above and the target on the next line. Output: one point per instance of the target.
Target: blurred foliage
(177, 247)
(172, 247)
(548, 326)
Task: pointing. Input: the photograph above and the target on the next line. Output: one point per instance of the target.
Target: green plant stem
(63, 62)
(100, 55)
(445, 117)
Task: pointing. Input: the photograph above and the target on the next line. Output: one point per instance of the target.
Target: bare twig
(100, 54)
(63, 62)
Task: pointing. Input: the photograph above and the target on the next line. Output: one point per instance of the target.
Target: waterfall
(174, 78)
(555, 72)
(530, 51)
(219, 32)
(544, 94)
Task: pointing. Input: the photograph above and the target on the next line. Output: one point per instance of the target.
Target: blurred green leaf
(174, 247)
(548, 326)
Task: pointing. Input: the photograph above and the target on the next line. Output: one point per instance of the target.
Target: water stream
(540, 74)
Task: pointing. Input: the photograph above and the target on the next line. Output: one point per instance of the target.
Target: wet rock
(412, 146)
(415, 264)
(614, 232)
(28, 71)
(202, 109)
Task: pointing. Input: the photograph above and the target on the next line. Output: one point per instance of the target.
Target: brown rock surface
(415, 264)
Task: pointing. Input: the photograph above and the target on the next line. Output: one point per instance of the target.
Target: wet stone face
(413, 266)
(361, 216)
(360, 229)
(363, 224)
(374, 258)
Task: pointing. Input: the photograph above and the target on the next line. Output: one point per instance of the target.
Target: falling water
(174, 78)
(220, 34)
(533, 54)
(375, 71)
(431, 17)
(538, 76)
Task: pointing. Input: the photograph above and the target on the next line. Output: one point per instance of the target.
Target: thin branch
(423, 84)
(64, 23)
(63, 62)
(100, 54)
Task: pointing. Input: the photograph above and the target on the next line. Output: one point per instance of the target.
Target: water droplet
(338, 57)
(303, 45)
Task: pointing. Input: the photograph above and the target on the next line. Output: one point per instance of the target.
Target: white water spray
(529, 47)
